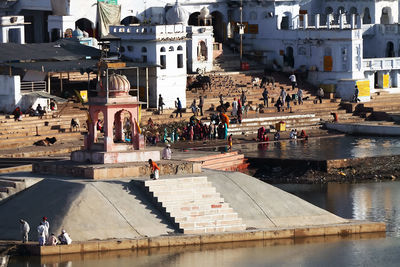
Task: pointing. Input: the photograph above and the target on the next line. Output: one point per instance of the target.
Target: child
(230, 142)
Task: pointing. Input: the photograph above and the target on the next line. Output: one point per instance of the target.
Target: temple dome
(177, 15)
(204, 13)
(118, 85)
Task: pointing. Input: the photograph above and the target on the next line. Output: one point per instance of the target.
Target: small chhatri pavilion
(121, 141)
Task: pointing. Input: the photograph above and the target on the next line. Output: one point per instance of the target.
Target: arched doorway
(328, 59)
(85, 25)
(353, 11)
(288, 58)
(390, 49)
(386, 17)
(340, 10)
(218, 26)
(129, 20)
(194, 19)
(366, 16)
(286, 19)
(328, 11)
(202, 51)
(123, 127)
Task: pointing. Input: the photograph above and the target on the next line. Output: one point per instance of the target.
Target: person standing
(201, 104)
(283, 97)
(41, 229)
(320, 94)
(155, 170)
(193, 107)
(234, 107)
(160, 104)
(221, 99)
(243, 98)
(178, 105)
(46, 223)
(265, 97)
(288, 99)
(356, 92)
(292, 79)
(167, 153)
(24, 230)
(300, 96)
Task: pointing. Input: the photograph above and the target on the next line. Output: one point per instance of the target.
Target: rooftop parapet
(302, 22)
(149, 32)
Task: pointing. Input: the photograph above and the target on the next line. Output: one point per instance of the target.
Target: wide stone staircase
(192, 205)
(21, 134)
(232, 161)
(383, 106)
(308, 116)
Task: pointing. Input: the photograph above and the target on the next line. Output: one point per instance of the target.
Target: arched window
(285, 23)
(386, 17)
(171, 48)
(390, 49)
(130, 48)
(180, 48)
(162, 49)
(366, 16)
(179, 61)
(202, 53)
(144, 49)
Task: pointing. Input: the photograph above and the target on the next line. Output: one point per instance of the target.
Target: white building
(340, 43)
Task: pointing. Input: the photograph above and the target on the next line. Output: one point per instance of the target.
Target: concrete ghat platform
(114, 171)
(356, 227)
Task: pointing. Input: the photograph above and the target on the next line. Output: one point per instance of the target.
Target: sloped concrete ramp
(87, 210)
(261, 205)
(101, 210)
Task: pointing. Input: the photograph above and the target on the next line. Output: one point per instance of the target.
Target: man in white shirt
(292, 79)
(167, 153)
(24, 231)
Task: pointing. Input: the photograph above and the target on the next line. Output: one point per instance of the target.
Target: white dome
(204, 13)
(177, 15)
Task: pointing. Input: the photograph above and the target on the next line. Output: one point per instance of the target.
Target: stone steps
(18, 142)
(10, 187)
(193, 208)
(225, 161)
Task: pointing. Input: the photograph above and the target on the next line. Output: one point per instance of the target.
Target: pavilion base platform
(114, 171)
(101, 157)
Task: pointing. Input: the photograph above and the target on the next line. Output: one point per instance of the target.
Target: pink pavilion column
(108, 129)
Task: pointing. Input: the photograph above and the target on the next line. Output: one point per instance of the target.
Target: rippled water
(371, 201)
(324, 148)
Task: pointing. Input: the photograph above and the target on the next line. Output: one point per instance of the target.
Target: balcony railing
(27, 87)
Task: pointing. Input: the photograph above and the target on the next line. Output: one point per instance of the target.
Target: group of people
(39, 111)
(285, 98)
(43, 231)
(262, 135)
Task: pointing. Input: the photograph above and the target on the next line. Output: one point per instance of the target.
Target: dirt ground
(368, 169)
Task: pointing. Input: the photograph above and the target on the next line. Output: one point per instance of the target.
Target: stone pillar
(359, 22)
(353, 21)
(305, 21)
(328, 21)
(317, 21)
(108, 130)
(278, 22)
(341, 21)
